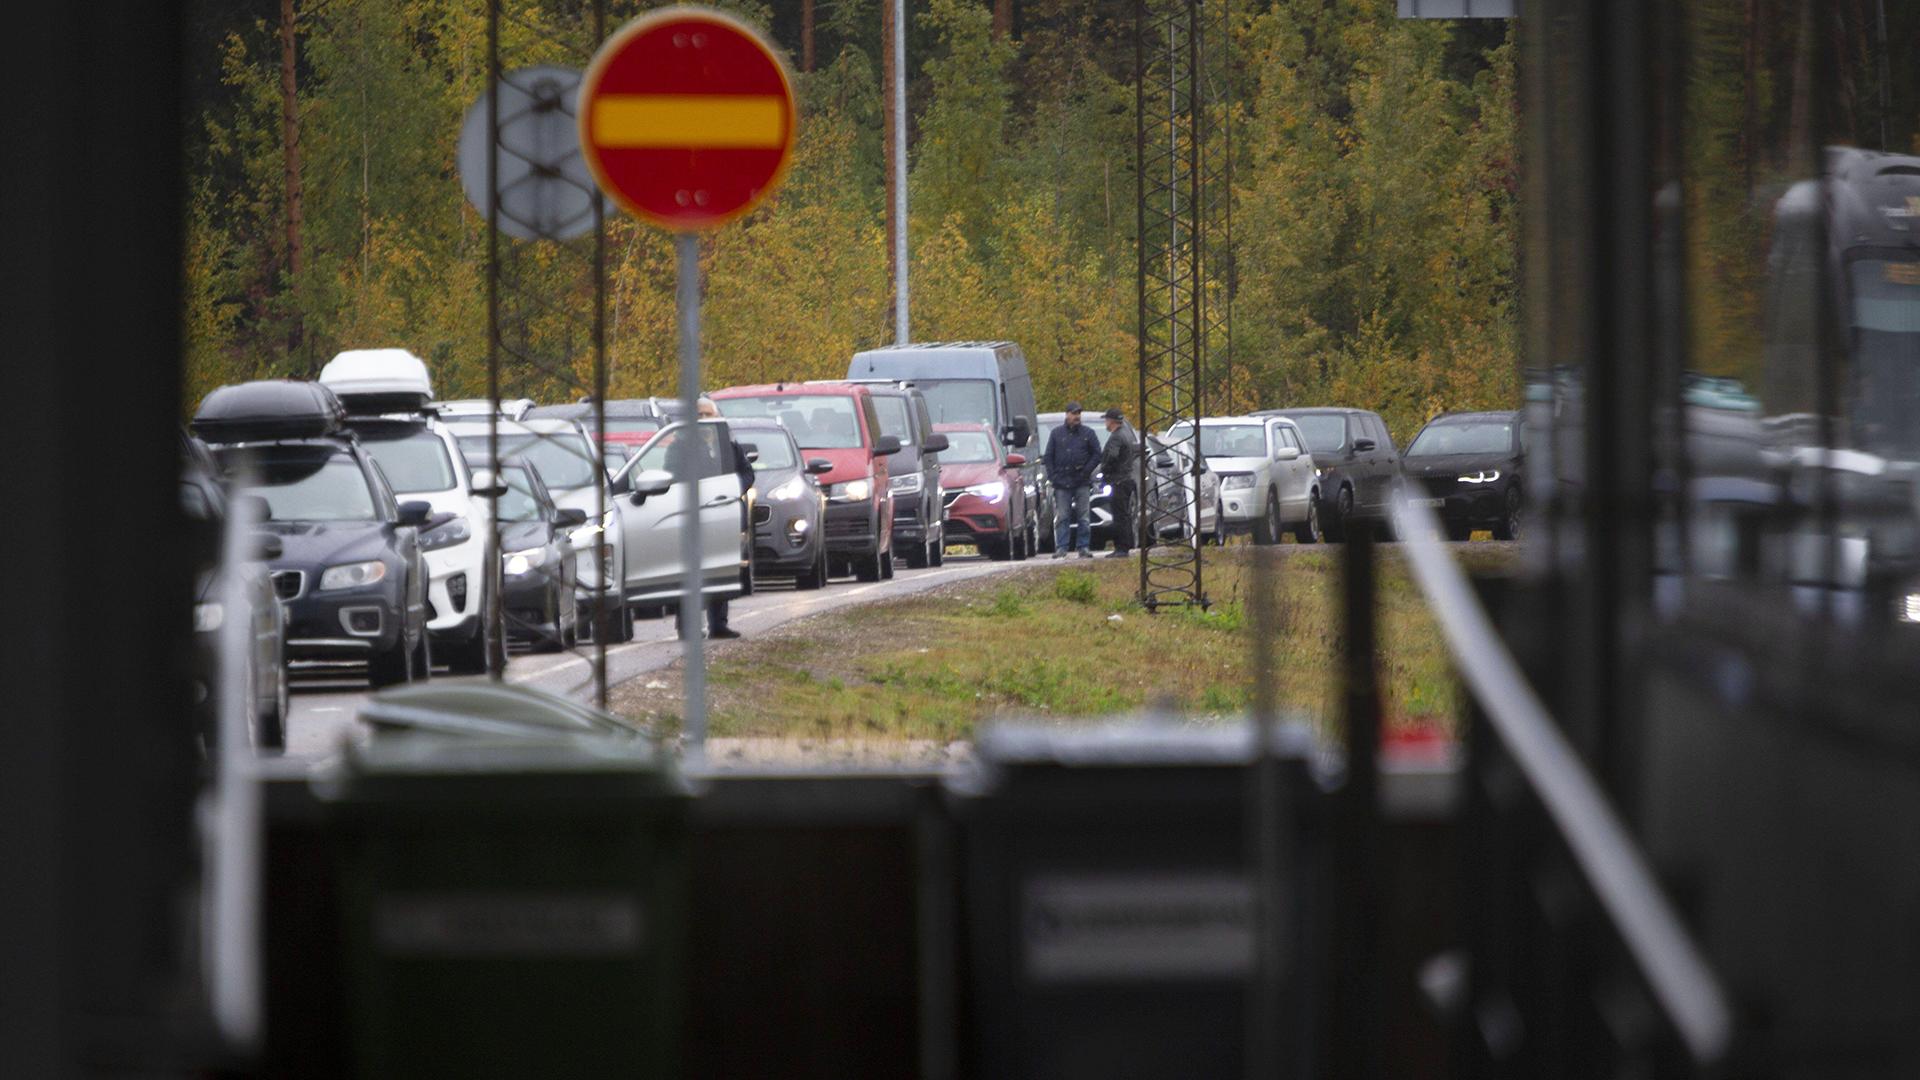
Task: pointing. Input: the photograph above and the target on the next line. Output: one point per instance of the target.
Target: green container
(512, 889)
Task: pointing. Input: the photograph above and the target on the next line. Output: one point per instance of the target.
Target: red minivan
(835, 421)
(986, 500)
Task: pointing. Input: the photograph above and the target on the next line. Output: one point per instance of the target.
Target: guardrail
(1685, 987)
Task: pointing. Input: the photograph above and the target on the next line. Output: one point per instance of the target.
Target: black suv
(1355, 467)
(919, 521)
(1467, 467)
(350, 569)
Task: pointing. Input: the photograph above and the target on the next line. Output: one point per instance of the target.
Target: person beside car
(1072, 455)
(1119, 460)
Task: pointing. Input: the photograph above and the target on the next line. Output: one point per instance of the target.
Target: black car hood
(1454, 464)
(328, 543)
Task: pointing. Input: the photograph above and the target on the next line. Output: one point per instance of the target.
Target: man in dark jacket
(1072, 454)
(1118, 462)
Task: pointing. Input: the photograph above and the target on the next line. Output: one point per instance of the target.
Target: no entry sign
(686, 118)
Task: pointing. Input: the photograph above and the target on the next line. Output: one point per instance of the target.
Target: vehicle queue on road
(395, 532)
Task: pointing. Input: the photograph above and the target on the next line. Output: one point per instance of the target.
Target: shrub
(1075, 586)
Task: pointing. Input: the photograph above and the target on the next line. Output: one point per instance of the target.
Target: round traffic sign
(686, 118)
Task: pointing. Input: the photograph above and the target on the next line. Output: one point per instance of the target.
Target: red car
(985, 498)
(835, 421)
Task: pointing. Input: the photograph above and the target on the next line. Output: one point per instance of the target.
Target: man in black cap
(1072, 454)
(1118, 462)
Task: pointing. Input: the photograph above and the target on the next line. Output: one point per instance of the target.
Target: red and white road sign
(686, 118)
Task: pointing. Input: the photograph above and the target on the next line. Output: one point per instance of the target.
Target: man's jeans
(1070, 509)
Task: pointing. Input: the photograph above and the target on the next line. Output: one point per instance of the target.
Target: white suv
(386, 392)
(1266, 474)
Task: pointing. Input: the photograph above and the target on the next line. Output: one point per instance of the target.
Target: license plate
(1429, 502)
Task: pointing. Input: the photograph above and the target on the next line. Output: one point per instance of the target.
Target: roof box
(371, 381)
(268, 409)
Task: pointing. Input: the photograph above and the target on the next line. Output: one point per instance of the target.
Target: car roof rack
(268, 410)
(467, 408)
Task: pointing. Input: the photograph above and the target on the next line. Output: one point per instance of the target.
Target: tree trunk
(1750, 95)
(806, 35)
(290, 149)
(1002, 18)
(887, 61)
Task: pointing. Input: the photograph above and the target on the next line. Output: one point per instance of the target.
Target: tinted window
(817, 421)
(307, 487)
(968, 448)
(413, 463)
(892, 412)
(519, 502)
(1478, 437)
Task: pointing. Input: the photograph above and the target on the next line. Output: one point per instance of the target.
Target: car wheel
(1308, 531)
(571, 636)
(391, 668)
(937, 547)
(997, 550)
(886, 566)
(470, 657)
(867, 567)
(1334, 529)
(1509, 526)
(1459, 530)
(270, 728)
(917, 556)
(1017, 545)
(814, 576)
(1267, 529)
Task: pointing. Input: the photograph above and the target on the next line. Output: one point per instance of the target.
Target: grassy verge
(1062, 641)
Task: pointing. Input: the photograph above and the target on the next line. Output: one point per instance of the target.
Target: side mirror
(1163, 461)
(1363, 445)
(752, 456)
(571, 517)
(886, 444)
(415, 513)
(935, 443)
(486, 484)
(819, 465)
(1019, 433)
(1014, 461)
(436, 520)
(650, 482)
(1287, 453)
(620, 483)
(267, 546)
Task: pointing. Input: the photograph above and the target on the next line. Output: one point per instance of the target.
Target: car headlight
(353, 575)
(1318, 472)
(1908, 610)
(851, 491)
(904, 484)
(453, 532)
(524, 562)
(787, 491)
(208, 617)
(992, 491)
(1106, 490)
(1230, 481)
(1484, 476)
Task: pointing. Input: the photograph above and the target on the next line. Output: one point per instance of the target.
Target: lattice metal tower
(1182, 219)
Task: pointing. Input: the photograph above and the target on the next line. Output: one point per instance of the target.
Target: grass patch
(1067, 642)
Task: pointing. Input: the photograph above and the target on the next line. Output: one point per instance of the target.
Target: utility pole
(290, 155)
(893, 31)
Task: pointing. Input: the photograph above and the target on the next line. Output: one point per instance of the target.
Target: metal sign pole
(899, 167)
(687, 473)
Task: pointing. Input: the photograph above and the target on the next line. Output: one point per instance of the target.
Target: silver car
(1182, 496)
(1266, 474)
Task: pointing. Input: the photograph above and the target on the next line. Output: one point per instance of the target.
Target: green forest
(1374, 191)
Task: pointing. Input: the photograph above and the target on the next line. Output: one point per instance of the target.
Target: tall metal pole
(899, 166)
(687, 473)
(604, 569)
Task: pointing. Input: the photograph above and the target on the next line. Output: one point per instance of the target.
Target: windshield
(893, 417)
(1226, 440)
(959, 401)
(562, 457)
(967, 448)
(817, 421)
(1478, 437)
(1325, 432)
(1886, 342)
(776, 450)
(416, 462)
(307, 487)
(518, 503)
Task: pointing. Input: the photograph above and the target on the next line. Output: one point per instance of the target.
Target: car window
(1381, 434)
(307, 487)
(959, 401)
(562, 457)
(775, 448)
(817, 421)
(892, 412)
(660, 453)
(1325, 432)
(968, 448)
(412, 463)
(1470, 437)
(518, 502)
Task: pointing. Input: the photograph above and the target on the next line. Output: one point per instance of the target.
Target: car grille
(947, 497)
(762, 514)
(845, 527)
(1439, 486)
(289, 584)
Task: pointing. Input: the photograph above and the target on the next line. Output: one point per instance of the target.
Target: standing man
(1072, 454)
(1118, 462)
